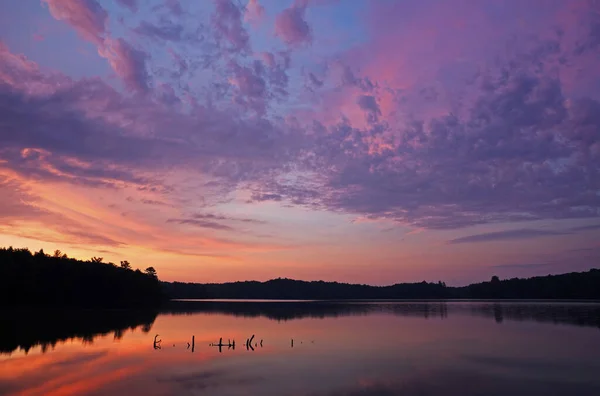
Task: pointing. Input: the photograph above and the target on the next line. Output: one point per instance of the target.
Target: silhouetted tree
(57, 253)
(150, 271)
(41, 280)
(125, 265)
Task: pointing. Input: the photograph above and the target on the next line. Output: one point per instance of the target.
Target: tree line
(576, 285)
(39, 279)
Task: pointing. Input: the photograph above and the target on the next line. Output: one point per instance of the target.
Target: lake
(338, 349)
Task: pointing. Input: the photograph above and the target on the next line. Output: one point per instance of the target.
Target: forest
(576, 285)
(37, 279)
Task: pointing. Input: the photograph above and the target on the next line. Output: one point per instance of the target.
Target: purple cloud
(590, 227)
(519, 234)
(368, 103)
(202, 224)
(130, 4)
(227, 22)
(291, 26)
(314, 80)
(167, 30)
(213, 216)
(128, 63)
(174, 6)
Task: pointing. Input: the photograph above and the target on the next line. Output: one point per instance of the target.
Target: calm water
(395, 348)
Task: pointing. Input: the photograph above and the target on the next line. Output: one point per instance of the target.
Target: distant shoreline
(422, 300)
(575, 286)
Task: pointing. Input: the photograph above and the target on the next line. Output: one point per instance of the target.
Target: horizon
(382, 285)
(226, 282)
(355, 142)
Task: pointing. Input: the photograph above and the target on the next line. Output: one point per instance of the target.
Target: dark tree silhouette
(125, 265)
(41, 280)
(584, 285)
(96, 259)
(150, 271)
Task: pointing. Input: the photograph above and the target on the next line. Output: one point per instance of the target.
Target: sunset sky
(368, 141)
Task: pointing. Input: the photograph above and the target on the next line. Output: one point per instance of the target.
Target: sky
(364, 141)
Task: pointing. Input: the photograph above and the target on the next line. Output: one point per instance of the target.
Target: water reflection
(316, 349)
(27, 329)
(578, 314)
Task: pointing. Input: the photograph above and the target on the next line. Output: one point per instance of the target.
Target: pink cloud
(291, 27)
(255, 12)
(87, 17)
(128, 63)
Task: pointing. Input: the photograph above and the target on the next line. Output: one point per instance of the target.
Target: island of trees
(40, 280)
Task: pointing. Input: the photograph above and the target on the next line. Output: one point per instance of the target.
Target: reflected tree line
(25, 329)
(579, 314)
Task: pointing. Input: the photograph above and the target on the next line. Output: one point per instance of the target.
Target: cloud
(251, 86)
(515, 152)
(130, 4)
(523, 265)
(202, 224)
(22, 214)
(16, 202)
(128, 63)
(88, 130)
(586, 228)
(87, 17)
(291, 27)
(213, 216)
(154, 202)
(314, 80)
(254, 13)
(167, 30)
(214, 221)
(227, 22)
(174, 6)
(523, 233)
(368, 103)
